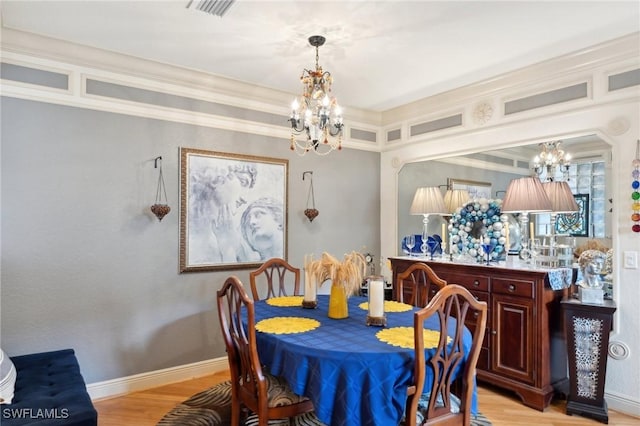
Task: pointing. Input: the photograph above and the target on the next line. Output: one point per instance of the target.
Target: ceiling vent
(212, 7)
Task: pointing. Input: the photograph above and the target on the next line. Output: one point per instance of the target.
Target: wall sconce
(310, 212)
(160, 209)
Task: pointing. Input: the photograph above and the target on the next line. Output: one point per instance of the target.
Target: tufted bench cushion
(49, 391)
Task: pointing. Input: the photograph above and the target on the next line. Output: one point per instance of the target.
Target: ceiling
(382, 54)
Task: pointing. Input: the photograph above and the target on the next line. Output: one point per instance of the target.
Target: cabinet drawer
(512, 287)
(471, 282)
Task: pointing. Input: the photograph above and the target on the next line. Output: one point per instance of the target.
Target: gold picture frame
(233, 210)
(475, 189)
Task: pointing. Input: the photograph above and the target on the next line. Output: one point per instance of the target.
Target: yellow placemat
(389, 306)
(287, 325)
(285, 301)
(403, 337)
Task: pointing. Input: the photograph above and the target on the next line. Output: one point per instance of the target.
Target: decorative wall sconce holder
(310, 212)
(160, 209)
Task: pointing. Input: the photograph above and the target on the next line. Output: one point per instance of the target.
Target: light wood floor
(147, 407)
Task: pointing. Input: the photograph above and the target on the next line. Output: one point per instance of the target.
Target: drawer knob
(476, 283)
(494, 332)
(512, 287)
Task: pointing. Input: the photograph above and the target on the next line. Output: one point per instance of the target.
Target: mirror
(497, 169)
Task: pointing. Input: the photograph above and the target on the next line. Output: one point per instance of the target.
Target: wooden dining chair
(267, 396)
(417, 284)
(276, 272)
(453, 306)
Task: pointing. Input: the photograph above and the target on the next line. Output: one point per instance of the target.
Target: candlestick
(376, 299)
(309, 286)
(507, 245)
(531, 236)
(375, 315)
(309, 300)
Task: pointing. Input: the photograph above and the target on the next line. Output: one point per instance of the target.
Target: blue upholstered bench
(49, 391)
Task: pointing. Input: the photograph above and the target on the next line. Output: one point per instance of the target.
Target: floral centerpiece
(346, 278)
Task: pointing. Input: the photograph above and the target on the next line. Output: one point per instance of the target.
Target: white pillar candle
(531, 236)
(309, 287)
(507, 244)
(376, 299)
(443, 235)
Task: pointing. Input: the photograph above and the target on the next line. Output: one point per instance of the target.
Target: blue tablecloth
(351, 377)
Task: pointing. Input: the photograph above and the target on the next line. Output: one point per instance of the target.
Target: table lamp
(562, 201)
(427, 201)
(455, 198)
(561, 198)
(525, 195)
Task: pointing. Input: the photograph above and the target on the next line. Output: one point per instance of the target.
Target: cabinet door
(512, 345)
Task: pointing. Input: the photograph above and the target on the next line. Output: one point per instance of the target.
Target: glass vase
(338, 307)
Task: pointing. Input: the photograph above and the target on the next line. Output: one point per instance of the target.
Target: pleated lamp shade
(526, 195)
(561, 198)
(455, 198)
(428, 200)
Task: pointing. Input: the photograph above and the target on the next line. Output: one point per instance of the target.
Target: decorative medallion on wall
(618, 350)
(618, 126)
(482, 113)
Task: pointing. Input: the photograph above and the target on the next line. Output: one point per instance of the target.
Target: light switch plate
(630, 260)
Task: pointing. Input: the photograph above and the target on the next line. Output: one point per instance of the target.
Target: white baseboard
(622, 404)
(151, 379)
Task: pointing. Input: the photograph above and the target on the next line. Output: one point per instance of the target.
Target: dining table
(355, 374)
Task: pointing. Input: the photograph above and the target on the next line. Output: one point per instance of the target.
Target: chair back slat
(450, 363)
(277, 273)
(249, 385)
(248, 382)
(416, 284)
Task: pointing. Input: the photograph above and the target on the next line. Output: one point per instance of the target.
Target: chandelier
(551, 159)
(316, 113)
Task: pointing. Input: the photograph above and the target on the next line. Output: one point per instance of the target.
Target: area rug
(212, 407)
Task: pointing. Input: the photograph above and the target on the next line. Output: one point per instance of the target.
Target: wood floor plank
(146, 408)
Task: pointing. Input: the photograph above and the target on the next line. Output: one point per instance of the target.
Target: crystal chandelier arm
(335, 129)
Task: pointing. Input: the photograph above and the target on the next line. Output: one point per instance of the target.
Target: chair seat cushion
(423, 406)
(212, 407)
(279, 393)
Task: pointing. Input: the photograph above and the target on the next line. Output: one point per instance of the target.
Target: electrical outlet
(630, 259)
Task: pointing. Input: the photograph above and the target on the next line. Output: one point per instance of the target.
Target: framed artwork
(233, 210)
(575, 224)
(475, 189)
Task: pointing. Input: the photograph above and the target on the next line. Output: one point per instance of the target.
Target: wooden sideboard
(524, 349)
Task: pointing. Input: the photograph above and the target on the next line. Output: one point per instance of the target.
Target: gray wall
(435, 173)
(86, 265)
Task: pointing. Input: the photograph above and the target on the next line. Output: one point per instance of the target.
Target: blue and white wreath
(479, 222)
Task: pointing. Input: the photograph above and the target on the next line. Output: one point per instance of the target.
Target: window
(584, 178)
